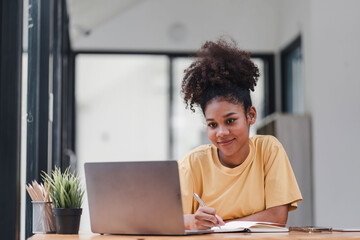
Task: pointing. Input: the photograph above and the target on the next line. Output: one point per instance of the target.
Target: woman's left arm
(276, 214)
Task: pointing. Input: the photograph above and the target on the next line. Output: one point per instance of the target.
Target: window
(122, 103)
(47, 87)
(122, 110)
(292, 79)
(187, 128)
(129, 108)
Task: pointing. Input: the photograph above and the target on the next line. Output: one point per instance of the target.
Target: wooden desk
(217, 236)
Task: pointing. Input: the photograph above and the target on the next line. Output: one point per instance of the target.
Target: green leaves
(65, 189)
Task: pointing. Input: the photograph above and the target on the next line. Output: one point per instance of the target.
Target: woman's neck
(236, 159)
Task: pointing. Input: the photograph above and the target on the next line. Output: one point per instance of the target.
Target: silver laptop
(141, 198)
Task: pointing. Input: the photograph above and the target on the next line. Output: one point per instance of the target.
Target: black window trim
(11, 22)
(38, 94)
(284, 79)
(48, 142)
(269, 79)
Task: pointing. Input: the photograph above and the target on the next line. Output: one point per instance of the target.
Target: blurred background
(101, 82)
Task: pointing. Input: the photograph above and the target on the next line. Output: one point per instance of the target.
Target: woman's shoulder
(199, 153)
(265, 141)
(268, 149)
(202, 149)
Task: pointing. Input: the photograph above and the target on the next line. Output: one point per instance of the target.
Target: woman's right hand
(204, 218)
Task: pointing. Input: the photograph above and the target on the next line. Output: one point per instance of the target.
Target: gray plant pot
(67, 220)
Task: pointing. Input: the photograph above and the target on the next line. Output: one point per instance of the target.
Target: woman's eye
(212, 125)
(229, 121)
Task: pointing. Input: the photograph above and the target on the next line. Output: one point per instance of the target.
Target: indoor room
(89, 81)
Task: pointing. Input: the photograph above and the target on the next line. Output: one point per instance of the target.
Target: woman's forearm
(277, 214)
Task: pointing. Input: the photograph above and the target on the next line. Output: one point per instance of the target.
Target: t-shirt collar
(236, 170)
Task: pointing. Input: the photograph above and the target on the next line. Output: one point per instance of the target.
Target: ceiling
(171, 25)
(86, 15)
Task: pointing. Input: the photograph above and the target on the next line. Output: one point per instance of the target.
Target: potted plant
(66, 194)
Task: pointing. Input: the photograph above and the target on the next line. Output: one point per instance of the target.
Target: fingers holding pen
(220, 220)
(205, 217)
(206, 214)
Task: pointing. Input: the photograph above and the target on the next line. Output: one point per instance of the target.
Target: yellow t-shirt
(264, 180)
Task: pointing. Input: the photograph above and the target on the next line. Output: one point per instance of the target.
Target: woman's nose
(222, 131)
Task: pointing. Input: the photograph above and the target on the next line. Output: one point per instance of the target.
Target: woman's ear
(251, 115)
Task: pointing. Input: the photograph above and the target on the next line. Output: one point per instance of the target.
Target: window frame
(285, 81)
(269, 79)
(11, 22)
(50, 133)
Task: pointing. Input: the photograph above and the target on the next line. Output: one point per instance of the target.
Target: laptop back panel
(135, 198)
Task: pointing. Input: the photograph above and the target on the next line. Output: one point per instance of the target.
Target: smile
(226, 142)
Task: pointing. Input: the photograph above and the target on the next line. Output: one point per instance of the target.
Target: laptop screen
(134, 197)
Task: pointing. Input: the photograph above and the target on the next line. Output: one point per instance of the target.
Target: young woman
(237, 177)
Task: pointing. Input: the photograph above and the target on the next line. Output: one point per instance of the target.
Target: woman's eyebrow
(229, 114)
(225, 116)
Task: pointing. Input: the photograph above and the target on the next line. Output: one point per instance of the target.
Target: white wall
(331, 35)
(336, 111)
(330, 32)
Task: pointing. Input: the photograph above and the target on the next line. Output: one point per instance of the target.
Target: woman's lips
(225, 143)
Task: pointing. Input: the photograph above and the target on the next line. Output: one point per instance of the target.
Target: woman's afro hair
(220, 70)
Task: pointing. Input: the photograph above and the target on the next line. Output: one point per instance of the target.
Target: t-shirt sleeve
(186, 184)
(280, 183)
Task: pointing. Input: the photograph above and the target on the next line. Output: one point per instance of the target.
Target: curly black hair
(220, 70)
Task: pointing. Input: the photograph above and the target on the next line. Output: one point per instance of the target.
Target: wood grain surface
(214, 236)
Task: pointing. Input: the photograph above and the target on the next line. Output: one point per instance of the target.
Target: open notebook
(249, 226)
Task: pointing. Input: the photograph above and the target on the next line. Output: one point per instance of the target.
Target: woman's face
(228, 129)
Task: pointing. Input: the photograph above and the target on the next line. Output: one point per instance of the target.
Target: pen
(199, 200)
(202, 203)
